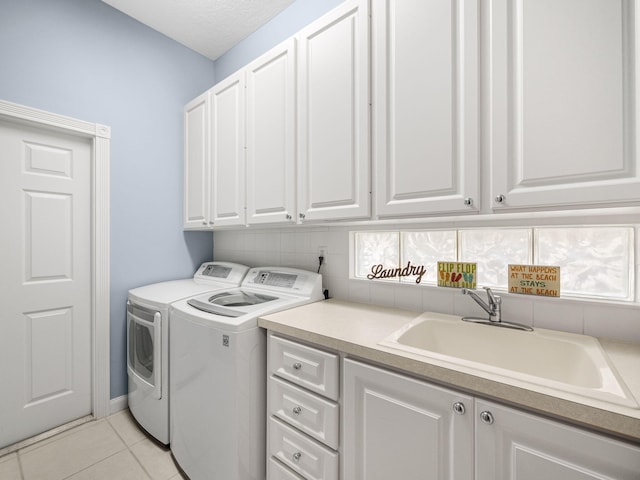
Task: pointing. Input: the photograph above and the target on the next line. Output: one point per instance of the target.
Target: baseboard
(117, 404)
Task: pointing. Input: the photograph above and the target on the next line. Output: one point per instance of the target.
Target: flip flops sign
(457, 274)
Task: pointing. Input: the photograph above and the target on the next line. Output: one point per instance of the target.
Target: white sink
(561, 361)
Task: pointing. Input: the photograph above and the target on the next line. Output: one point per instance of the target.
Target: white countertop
(356, 330)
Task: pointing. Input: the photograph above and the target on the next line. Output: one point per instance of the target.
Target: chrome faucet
(493, 306)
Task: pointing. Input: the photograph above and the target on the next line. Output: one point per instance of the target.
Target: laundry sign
(540, 280)
(457, 274)
(378, 271)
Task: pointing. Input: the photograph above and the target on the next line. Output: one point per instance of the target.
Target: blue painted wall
(84, 59)
(286, 24)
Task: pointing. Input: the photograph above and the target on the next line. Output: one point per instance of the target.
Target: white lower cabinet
(303, 425)
(382, 425)
(511, 445)
(397, 427)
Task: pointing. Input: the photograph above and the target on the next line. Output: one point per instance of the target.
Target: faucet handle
(493, 299)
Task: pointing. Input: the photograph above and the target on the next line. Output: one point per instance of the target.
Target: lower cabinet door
(516, 445)
(303, 455)
(397, 427)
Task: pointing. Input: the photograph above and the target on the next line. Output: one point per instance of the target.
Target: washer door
(144, 347)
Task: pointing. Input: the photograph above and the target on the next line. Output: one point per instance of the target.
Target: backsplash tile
(299, 248)
(437, 300)
(619, 322)
(551, 313)
(383, 295)
(517, 308)
(407, 297)
(359, 292)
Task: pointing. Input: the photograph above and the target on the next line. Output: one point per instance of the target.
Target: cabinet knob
(458, 407)
(296, 456)
(302, 216)
(486, 417)
(468, 201)
(287, 216)
(500, 198)
(297, 366)
(297, 410)
(204, 222)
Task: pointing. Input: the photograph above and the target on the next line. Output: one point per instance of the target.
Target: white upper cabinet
(333, 122)
(196, 150)
(227, 152)
(425, 80)
(271, 141)
(561, 110)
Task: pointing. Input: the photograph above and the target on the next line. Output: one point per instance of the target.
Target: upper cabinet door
(196, 176)
(271, 141)
(425, 106)
(227, 151)
(334, 169)
(561, 102)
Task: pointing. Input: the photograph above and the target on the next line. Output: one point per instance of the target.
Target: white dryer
(218, 373)
(148, 339)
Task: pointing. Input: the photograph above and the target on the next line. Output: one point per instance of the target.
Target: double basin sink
(560, 361)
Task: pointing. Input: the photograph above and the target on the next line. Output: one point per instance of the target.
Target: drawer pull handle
(297, 410)
(297, 366)
(296, 456)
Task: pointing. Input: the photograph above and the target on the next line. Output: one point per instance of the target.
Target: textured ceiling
(210, 27)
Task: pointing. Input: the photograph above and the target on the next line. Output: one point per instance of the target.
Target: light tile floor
(113, 448)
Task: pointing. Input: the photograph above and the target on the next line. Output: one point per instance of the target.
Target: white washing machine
(148, 339)
(218, 373)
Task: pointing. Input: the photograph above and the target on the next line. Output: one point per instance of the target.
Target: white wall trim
(118, 404)
(100, 236)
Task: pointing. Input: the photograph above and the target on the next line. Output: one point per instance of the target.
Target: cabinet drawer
(305, 366)
(277, 471)
(300, 453)
(308, 412)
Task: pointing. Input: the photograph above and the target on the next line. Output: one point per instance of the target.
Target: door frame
(100, 136)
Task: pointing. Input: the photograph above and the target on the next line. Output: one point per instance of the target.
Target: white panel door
(521, 446)
(425, 106)
(196, 162)
(271, 140)
(334, 174)
(398, 427)
(227, 156)
(45, 253)
(562, 106)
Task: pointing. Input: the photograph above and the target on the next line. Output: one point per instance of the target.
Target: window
(595, 262)
(427, 248)
(493, 250)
